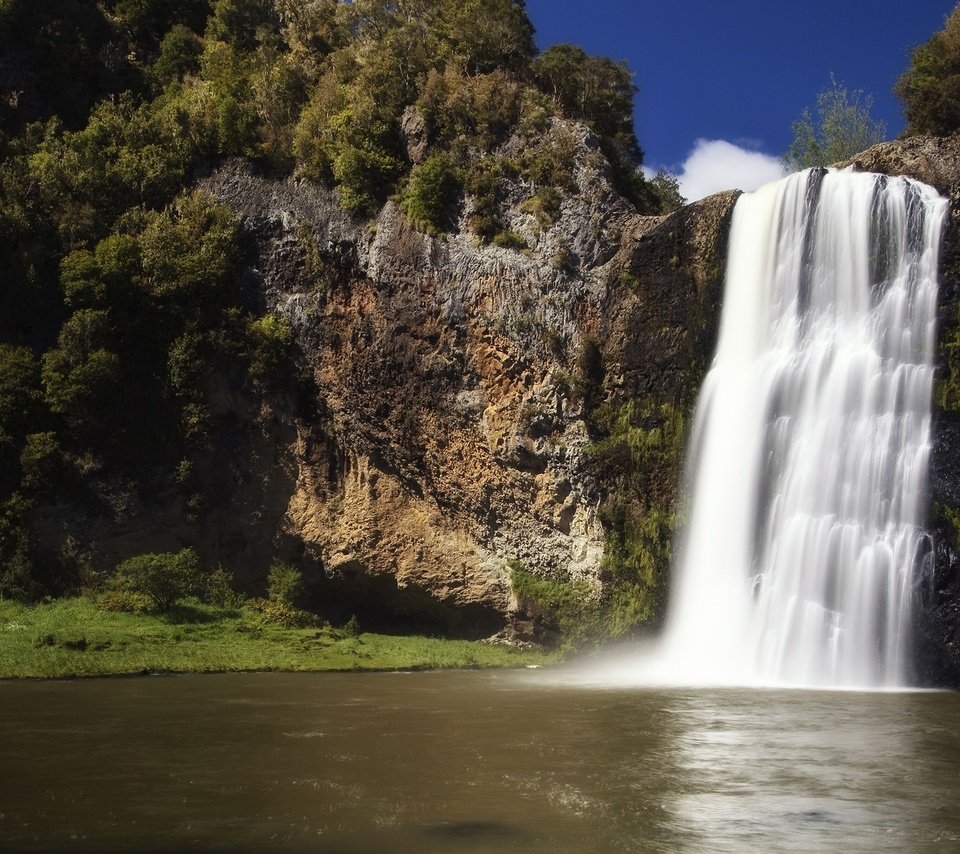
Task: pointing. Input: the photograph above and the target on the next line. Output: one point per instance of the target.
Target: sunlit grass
(72, 637)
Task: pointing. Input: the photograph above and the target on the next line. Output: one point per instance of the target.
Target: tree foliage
(469, 68)
(930, 88)
(17, 570)
(476, 110)
(595, 89)
(284, 583)
(841, 128)
(164, 578)
(666, 187)
(179, 56)
(485, 35)
(432, 193)
(18, 390)
(80, 375)
(58, 58)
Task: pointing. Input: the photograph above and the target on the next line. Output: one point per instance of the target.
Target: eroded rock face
(449, 375)
(931, 159)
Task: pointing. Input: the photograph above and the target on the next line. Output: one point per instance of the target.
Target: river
(470, 762)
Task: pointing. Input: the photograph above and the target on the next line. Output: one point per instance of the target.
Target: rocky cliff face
(453, 384)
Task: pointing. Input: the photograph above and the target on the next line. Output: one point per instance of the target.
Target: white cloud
(715, 165)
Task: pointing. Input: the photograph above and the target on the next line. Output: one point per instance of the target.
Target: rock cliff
(453, 383)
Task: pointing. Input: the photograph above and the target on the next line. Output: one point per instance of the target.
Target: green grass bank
(73, 637)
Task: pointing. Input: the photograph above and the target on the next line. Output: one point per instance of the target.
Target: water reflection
(804, 771)
(470, 762)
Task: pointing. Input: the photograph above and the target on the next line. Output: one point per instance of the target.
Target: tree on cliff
(930, 87)
(843, 126)
(468, 69)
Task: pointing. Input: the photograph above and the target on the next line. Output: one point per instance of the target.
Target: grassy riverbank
(72, 637)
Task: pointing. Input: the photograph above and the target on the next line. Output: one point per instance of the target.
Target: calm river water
(470, 762)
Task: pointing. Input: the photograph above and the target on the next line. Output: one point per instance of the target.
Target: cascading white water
(807, 467)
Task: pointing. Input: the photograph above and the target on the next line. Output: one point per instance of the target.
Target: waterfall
(808, 460)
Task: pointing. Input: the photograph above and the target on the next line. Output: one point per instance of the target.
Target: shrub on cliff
(599, 92)
(80, 375)
(432, 193)
(477, 110)
(666, 187)
(271, 340)
(595, 89)
(179, 56)
(930, 87)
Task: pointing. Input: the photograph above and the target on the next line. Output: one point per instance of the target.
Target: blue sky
(740, 72)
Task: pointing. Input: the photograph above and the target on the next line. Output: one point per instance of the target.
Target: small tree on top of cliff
(930, 87)
(843, 127)
(666, 187)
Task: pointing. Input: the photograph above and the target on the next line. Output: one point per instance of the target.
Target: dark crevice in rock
(381, 605)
